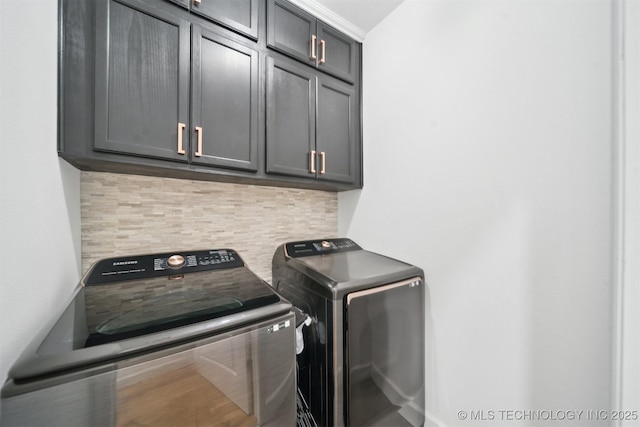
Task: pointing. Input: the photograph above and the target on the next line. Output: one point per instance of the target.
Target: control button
(175, 261)
(326, 244)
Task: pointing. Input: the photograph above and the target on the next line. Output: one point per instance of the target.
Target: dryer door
(385, 355)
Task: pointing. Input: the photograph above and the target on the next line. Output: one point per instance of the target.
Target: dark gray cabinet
(143, 60)
(224, 102)
(150, 87)
(238, 15)
(298, 34)
(141, 80)
(336, 118)
(290, 110)
(310, 124)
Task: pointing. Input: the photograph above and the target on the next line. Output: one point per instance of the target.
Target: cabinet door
(290, 118)
(224, 102)
(184, 3)
(142, 79)
(336, 53)
(239, 15)
(336, 130)
(291, 31)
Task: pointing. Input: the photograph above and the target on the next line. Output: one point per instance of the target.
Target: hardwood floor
(178, 398)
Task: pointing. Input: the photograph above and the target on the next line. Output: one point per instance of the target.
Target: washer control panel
(320, 247)
(164, 264)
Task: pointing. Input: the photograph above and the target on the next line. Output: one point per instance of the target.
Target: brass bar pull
(412, 283)
(198, 152)
(323, 163)
(323, 58)
(313, 48)
(181, 127)
(312, 160)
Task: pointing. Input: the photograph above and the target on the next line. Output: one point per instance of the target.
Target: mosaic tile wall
(130, 214)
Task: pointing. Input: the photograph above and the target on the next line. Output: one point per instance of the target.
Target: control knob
(175, 261)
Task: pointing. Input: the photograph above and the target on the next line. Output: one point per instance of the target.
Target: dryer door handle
(416, 281)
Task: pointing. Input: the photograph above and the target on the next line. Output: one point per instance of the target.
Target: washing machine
(364, 351)
(184, 338)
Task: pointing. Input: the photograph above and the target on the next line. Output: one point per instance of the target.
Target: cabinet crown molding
(331, 18)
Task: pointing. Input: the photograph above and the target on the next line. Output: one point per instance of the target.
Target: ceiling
(364, 14)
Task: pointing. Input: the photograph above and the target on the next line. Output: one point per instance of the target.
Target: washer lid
(132, 308)
(361, 265)
(147, 304)
(340, 266)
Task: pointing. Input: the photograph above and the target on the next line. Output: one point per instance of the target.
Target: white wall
(487, 159)
(627, 304)
(40, 194)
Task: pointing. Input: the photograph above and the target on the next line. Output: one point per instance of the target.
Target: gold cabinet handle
(181, 127)
(313, 47)
(324, 53)
(312, 160)
(198, 152)
(323, 164)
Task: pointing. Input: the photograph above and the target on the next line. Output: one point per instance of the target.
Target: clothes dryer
(363, 358)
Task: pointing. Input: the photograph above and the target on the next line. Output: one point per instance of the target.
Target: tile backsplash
(130, 214)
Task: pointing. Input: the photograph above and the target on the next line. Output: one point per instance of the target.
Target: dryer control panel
(320, 247)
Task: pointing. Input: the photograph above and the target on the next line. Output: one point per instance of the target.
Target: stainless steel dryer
(189, 338)
(363, 362)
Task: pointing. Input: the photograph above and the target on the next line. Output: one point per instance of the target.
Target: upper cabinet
(144, 59)
(166, 88)
(141, 81)
(238, 15)
(224, 102)
(310, 124)
(298, 34)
